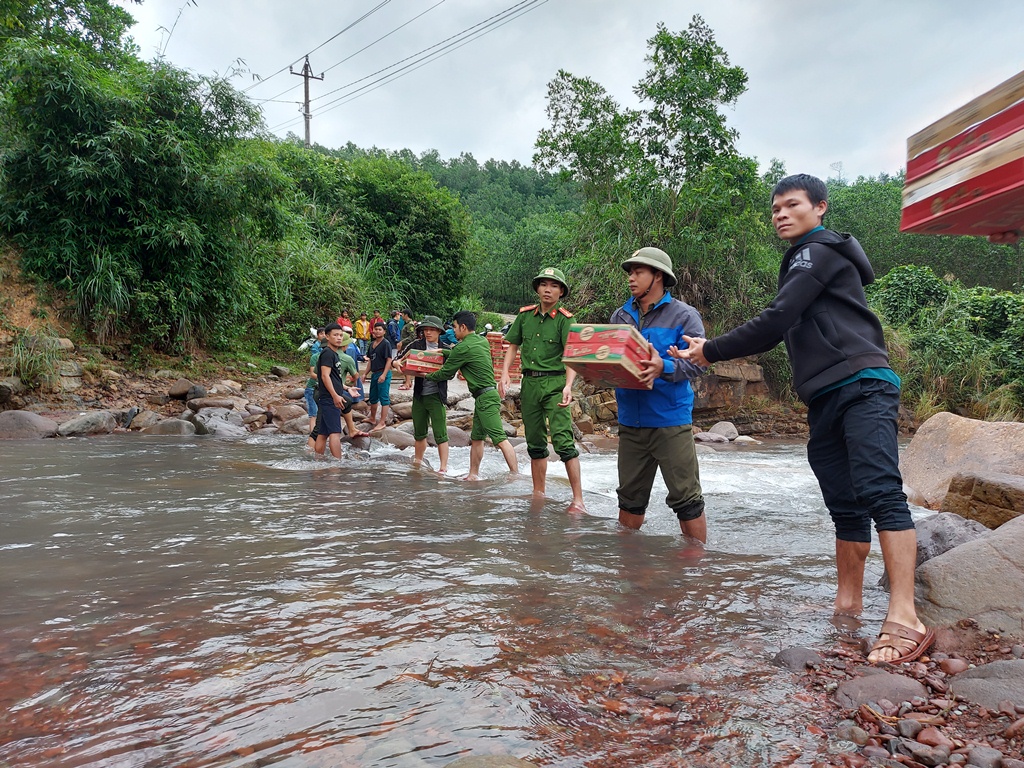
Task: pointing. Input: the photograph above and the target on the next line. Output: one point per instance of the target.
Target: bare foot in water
(576, 508)
(469, 478)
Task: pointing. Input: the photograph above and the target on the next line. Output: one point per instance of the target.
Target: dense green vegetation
(154, 204)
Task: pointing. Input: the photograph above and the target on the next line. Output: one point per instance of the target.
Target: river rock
(585, 424)
(280, 370)
(947, 445)
(395, 437)
(179, 390)
(491, 761)
(710, 437)
(940, 533)
(289, 411)
(298, 393)
(402, 410)
(91, 423)
(171, 427)
(458, 438)
(459, 419)
(985, 757)
(143, 419)
(454, 398)
(399, 395)
(229, 386)
(196, 391)
(982, 579)
(991, 684)
(6, 392)
(297, 426)
(20, 425)
(797, 659)
(16, 384)
(726, 429)
(860, 690)
(991, 498)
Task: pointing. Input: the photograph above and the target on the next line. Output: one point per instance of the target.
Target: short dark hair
(380, 324)
(407, 312)
(466, 318)
(322, 329)
(331, 327)
(815, 188)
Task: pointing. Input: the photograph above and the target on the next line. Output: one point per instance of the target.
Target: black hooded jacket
(819, 312)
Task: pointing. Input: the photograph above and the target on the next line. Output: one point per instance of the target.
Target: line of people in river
(840, 369)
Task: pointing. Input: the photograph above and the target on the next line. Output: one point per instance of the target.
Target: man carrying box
(472, 356)
(539, 333)
(655, 425)
(429, 398)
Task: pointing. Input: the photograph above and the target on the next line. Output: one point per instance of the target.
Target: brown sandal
(909, 643)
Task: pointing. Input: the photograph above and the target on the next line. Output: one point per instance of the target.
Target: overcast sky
(829, 82)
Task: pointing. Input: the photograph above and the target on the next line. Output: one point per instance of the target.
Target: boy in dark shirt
(335, 398)
(841, 370)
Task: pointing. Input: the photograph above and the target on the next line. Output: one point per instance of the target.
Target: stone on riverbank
(177, 427)
(91, 423)
(861, 690)
(179, 390)
(940, 533)
(22, 425)
(726, 429)
(297, 426)
(947, 445)
(797, 659)
(992, 684)
(289, 411)
(982, 579)
(991, 498)
(144, 419)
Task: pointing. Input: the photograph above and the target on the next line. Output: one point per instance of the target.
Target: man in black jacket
(841, 370)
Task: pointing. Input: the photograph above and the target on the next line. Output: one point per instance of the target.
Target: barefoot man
(472, 356)
(539, 333)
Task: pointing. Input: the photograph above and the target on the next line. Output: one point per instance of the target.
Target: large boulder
(947, 445)
(861, 690)
(289, 411)
(940, 533)
(180, 389)
(144, 419)
(297, 426)
(395, 437)
(991, 498)
(91, 423)
(989, 685)
(177, 427)
(982, 579)
(458, 438)
(402, 410)
(17, 425)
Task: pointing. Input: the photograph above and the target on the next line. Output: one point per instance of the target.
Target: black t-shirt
(328, 357)
(379, 355)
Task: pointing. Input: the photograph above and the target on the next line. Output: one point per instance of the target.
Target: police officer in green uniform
(472, 356)
(539, 333)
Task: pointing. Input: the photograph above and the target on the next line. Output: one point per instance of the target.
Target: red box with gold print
(607, 355)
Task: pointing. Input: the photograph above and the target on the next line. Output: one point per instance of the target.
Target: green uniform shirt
(346, 367)
(472, 356)
(540, 337)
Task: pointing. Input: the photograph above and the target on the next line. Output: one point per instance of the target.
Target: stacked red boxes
(499, 347)
(607, 355)
(420, 361)
(965, 172)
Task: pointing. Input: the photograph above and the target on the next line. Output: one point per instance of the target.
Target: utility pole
(306, 74)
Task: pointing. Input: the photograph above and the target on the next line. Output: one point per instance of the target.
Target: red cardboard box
(498, 349)
(607, 355)
(965, 172)
(421, 361)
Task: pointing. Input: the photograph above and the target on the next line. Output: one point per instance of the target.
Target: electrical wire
(325, 42)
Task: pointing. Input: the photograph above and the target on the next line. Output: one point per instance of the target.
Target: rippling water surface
(217, 603)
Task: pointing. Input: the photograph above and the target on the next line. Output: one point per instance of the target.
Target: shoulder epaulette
(565, 311)
(527, 309)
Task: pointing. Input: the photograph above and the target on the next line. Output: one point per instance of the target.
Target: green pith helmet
(432, 321)
(552, 273)
(656, 259)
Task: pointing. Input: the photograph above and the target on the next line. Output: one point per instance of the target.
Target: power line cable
(365, 47)
(492, 23)
(325, 42)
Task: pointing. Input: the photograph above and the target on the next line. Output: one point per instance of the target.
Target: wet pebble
(929, 755)
(909, 728)
(955, 759)
(953, 666)
(1010, 762)
(1007, 708)
(875, 752)
(1017, 651)
(1015, 729)
(666, 699)
(933, 737)
(985, 757)
(848, 731)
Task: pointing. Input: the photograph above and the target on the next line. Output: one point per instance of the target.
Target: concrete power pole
(306, 74)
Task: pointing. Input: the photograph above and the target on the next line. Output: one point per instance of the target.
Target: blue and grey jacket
(670, 402)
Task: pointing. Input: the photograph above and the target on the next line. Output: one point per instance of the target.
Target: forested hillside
(154, 205)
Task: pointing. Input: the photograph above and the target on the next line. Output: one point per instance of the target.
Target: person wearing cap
(429, 398)
(655, 425)
(539, 334)
(472, 357)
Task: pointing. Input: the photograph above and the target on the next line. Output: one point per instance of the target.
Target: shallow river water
(218, 603)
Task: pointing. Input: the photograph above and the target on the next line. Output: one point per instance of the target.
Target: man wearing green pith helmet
(539, 334)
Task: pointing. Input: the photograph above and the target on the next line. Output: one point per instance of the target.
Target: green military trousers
(539, 405)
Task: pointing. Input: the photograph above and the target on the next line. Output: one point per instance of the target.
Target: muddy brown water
(204, 602)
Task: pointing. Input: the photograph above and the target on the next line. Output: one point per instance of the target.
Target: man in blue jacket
(656, 425)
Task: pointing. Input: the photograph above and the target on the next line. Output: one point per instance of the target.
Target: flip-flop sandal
(908, 642)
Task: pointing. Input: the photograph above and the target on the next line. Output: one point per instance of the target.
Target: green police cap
(432, 321)
(655, 258)
(552, 273)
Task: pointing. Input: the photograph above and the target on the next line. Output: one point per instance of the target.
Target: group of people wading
(840, 370)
